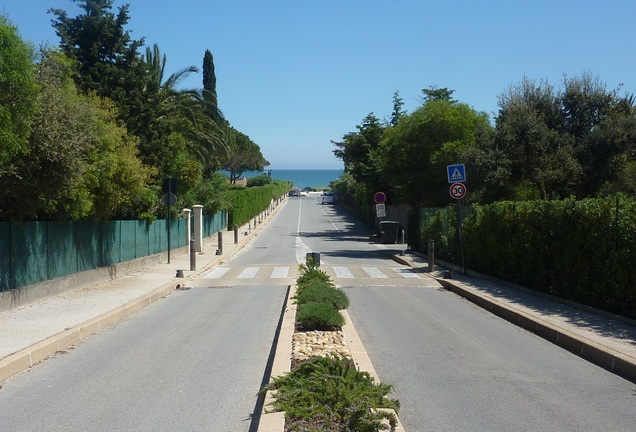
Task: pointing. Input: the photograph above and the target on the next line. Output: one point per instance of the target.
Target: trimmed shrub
(320, 292)
(318, 316)
(311, 275)
(549, 246)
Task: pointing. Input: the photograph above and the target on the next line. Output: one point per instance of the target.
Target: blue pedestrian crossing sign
(456, 173)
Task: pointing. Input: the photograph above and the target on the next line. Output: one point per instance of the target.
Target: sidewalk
(33, 332)
(601, 338)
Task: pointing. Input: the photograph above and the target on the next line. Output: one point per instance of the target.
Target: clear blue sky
(294, 75)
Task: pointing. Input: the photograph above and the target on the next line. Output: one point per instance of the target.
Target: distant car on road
(303, 193)
(328, 197)
(293, 193)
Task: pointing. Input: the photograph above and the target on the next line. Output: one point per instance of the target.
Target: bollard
(431, 255)
(236, 234)
(219, 251)
(313, 259)
(193, 255)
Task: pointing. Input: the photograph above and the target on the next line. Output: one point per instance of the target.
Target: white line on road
(375, 272)
(248, 273)
(406, 273)
(217, 273)
(343, 272)
(280, 272)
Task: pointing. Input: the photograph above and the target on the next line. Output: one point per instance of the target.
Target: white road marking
(217, 273)
(406, 273)
(280, 272)
(248, 273)
(375, 272)
(343, 272)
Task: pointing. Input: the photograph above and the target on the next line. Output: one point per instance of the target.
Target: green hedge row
(245, 203)
(319, 301)
(583, 251)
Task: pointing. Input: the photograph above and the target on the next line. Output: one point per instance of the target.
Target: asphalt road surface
(196, 359)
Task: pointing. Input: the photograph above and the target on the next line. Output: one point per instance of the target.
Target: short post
(198, 227)
(193, 256)
(431, 255)
(236, 234)
(219, 250)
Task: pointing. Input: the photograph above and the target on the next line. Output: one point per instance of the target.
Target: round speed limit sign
(457, 190)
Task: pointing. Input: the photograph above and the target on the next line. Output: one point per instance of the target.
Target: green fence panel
(156, 233)
(184, 238)
(29, 251)
(5, 257)
(214, 223)
(142, 246)
(32, 252)
(61, 256)
(128, 240)
(88, 245)
(110, 235)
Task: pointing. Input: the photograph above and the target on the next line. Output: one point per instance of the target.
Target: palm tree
(183, 110)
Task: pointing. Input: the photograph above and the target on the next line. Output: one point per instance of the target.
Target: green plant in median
(328, 393)
(318, 316)
(321, 292)
(310, 273)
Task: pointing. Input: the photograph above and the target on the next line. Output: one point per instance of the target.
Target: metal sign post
(456, 177)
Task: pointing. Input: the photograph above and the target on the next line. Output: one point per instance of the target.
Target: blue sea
(303, 178)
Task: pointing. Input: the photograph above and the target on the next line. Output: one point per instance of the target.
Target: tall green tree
(184, 139)
(434, 94)
(108, 60)
(601, 122)
(210, 95)
(18, 91)
(413, 155)
(553, 143)
(356, 147)
(81, 164)
(243, 155)
(398, 103)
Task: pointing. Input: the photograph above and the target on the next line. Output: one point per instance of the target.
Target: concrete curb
(591, 351)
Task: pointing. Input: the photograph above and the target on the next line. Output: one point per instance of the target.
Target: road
(196, 359)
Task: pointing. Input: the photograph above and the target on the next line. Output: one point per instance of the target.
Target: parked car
(328, 197)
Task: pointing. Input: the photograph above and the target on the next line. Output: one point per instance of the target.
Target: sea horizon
(316, 178)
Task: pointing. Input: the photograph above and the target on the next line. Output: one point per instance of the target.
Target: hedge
(583, 251)
(245, 203)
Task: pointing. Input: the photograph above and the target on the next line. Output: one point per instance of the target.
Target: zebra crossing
(336, 272)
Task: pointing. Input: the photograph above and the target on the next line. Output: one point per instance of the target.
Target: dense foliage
(329, 393)
(18, 90)
(577, 250)
(546, 142)
(245, 203)
(92, 127)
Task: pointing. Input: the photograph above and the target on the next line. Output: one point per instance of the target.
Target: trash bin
(389, 231)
